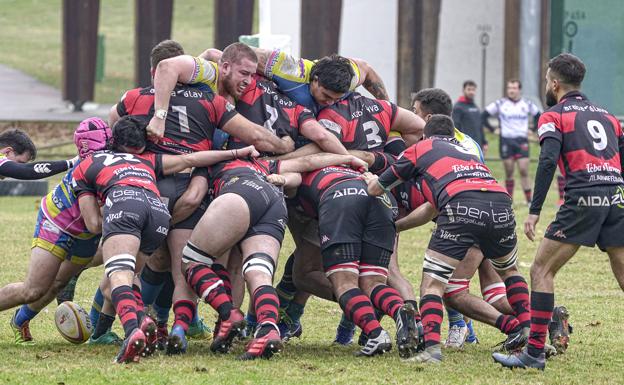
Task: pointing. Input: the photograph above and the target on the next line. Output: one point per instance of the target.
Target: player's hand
(72, 162)
(245, 152)
(289, 144)
(358, 164)
(373, 186)
(276, 179)
(529, 226)
(155, 129)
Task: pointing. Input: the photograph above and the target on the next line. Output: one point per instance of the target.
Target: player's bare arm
(258, 136)
(211, 54)
(317, 161)
(423, 214)
(263, 57)
(178, 163)
(90, 211)
(327, 142)
(371, 80)
(308, 149)
(190, 200)
(410, 126)
(289, 181)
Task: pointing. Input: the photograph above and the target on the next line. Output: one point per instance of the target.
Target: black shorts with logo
(590, 216)
(514, 148)
(475, 218)
(348, 215)
(138, 212)
(267, 208)
(171, 188)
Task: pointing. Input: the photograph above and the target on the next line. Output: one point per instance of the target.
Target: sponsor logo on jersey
(42, 168)
(162, 230)
(349, 191)
(443, 234)
(114, 216)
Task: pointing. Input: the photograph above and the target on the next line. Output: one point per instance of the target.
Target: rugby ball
(73, 322)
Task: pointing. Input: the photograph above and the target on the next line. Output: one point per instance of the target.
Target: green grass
(32, 39)
(585, 286)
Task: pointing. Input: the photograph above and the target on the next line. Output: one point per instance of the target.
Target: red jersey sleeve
(331, 120)
(403, 169)
(302, 114)
(81, 183)
(127, 102)
(549, 126)
(220, 110)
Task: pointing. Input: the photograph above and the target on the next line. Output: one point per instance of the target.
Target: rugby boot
(227, 330)
(378, 345)
(108, 338)
(344, 335)
(148, 327)
(515, 341)
(520, 359)
(456, 337)
(407, 338)
(263, 347)
(162, 335)
(559, 329)
(21, 333)
(287, 327)
(430, 355)
(362, 339)
(176, 342)
(199, 330)
(131, 348)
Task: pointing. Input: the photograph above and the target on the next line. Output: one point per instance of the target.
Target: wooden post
(153, 25)
(80, 28)
(545, 43)
(418, 25)
(512, 41)
(320, 27)
(232, 18)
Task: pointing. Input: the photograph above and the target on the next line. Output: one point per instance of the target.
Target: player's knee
(119, 263)
(455, 288)
(494, 292)
(539, 273)
(33, 294)
(368, 283)
(506, 264)
(259, 262)
(192, 254)
(437, 269)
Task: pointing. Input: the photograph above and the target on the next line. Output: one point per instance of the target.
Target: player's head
(469, 89)
(330, 79)
(439, 125)
(129, 135)
(565, 73)
(430, 101)
(237, 65)
(164, 50)
(514, 88)
(91, 135)
(16, 145)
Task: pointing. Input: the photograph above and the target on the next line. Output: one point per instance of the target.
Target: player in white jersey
(513, 113)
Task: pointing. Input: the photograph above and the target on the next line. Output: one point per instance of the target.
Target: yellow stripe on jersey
(394, 134)
(206, 72)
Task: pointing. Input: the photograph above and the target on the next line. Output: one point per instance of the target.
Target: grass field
(32, 39)
(585, 285)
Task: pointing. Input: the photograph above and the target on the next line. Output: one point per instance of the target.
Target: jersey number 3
(373, 139)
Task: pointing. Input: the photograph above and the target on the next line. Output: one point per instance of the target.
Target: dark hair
(129, 131)
(334, 73)
(235, 52)
(469, 83)
(515, 81)
(164, 50)
(440, 125)
(19, 141)
(434, 101)
(568, 68)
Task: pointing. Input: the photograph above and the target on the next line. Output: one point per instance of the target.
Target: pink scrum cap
(91, 135)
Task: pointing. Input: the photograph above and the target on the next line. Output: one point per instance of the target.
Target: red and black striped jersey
(262, 103)
(258, 168)
(590, 139)
(314, 185)
(359, 122)
(442, 168)
(192, 117)
(408, 194)
(103, 170)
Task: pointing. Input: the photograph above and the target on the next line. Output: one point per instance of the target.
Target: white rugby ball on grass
(73, 322)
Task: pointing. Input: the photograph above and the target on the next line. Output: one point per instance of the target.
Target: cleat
(148, 327)
(263, 347)
(456, 337)
(407, 337)
(430, 355)
(131, 348)
(108, 338)
(176, 342)
(199, 330)
(162, 335)
(559, 329)
(344, 336)
(520, 359)
(549, 351)
(21, 333)
(378, 345)
(515, 341)
(227, 330)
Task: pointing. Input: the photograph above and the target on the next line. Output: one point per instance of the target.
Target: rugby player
(452, 180)
(513, 113)
(588, 144)
(16, 148)
(61, 245)
(134, 220)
